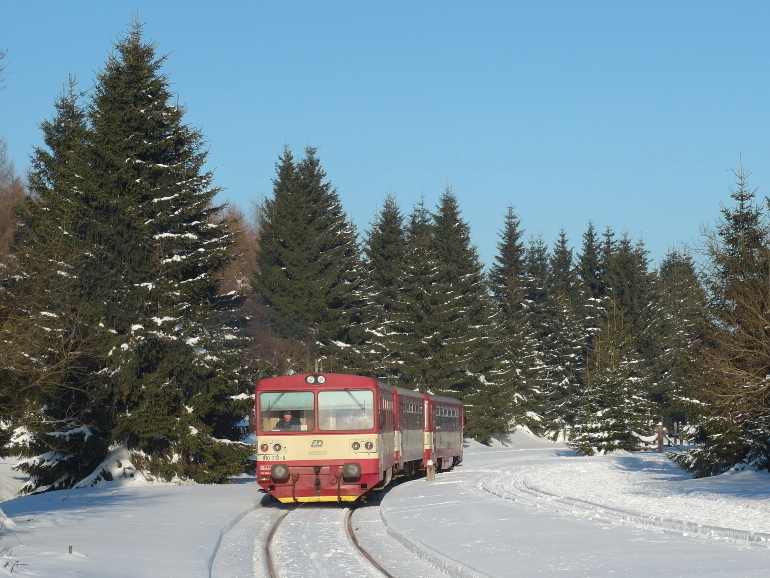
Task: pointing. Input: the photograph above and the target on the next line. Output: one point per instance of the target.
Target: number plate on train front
(272, 458)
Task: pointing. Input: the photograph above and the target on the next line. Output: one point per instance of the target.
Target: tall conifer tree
(591, 272)
(564, 353)
(309, 265)
(680, 328)
(629, 285)
(564, 283)
(735, 427)
(12, 194)
(590, 265)
(615, 411)
(416, 325)
(465, 305)
(177, 352)
(467, 359)
(518, 346)
(538, 297)
(284, 246)
(385, 250)
(53, 352)
(130, 197)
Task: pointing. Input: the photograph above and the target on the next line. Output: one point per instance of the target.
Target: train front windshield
(345, 410)
(286, 410)
(338, 410)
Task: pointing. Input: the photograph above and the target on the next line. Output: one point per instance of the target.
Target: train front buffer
(318, 468)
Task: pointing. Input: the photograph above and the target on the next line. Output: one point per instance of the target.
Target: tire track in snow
(238, 552)
(501, 486)
(407, 556)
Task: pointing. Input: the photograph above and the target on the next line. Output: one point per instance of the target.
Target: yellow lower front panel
(318, 499)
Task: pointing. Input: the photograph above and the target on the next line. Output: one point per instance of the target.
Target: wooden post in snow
(661, 436)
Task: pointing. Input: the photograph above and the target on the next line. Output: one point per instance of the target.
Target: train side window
(412, 415)
(446, 418)
(386, 417)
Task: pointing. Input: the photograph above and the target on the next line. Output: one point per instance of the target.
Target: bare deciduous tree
(11, 194)
(3, 54)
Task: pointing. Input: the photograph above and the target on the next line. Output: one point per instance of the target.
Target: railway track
(318, 540)
(275, 540)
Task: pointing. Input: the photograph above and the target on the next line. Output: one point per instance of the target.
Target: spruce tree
(564, 282)
(145, 249)
(285, 249)
(54, 347)
(177, 336)
(12, 192)
(385, 250)
(519, 359)
(309, 266)
(734, 427)
(628, 284)
(464, 306)
(540, 312)
(416, 334)
(564, 352)
(591, 272)
(680, 330)
(466, 360)
(615, 410)
(622, 353)
(563, 360)
(589, 264)
(536, 291)
(439, 330)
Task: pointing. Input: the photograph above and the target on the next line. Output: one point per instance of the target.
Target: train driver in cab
(287, 422)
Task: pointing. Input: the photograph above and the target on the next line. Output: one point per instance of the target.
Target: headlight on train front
(279, 472)
(351, 471)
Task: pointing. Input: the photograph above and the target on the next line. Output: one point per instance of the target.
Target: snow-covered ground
(521, 509)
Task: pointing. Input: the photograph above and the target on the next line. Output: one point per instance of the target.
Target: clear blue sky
(627, 114)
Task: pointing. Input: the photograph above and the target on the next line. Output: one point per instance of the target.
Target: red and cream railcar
(443, 441)
(341, 443)
(410, 413)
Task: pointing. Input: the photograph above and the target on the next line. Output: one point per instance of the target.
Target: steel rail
(268, 543)
(361, 549)
(348, 521)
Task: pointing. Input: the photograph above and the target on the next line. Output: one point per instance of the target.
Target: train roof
(316, 378)
(303, 379)
(444, 399)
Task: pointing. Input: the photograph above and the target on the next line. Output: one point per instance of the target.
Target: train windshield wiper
(277, 399)
(354, 398)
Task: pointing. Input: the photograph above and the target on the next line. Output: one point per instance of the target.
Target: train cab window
(286, 411)
(345, 410)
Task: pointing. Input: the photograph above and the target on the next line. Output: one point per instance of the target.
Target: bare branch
(3, 54)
